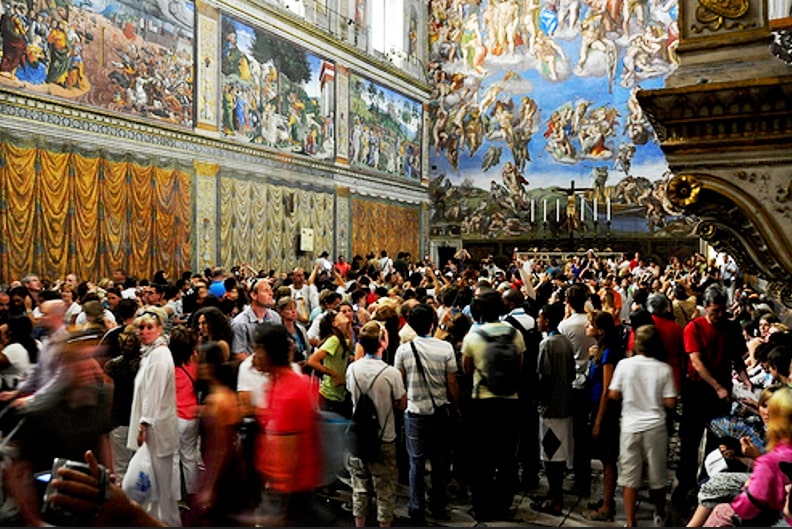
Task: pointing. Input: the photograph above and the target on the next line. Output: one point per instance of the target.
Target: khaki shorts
(375, 479)
(635, 448)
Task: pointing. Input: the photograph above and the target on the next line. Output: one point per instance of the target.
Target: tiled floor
(575, 509)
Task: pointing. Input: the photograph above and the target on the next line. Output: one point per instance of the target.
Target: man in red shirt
(342, 266)
(714, 345)
(289, 453)
(671, 333)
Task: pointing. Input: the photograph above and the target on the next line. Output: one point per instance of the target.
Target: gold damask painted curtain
(71, 211)
(384, 226)
(256, 227)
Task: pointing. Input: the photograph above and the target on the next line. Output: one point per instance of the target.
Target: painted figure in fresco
(530, 22)
(441, 120)
(452, 147)
(594, 130)
(507, 24)
(356, 140)
(643, 57)
(412, 38)
(637, 125)
(557, 135)
(633, 7)
(515, 183)
(474, 52)
(624, 157)
(549, 56)
(528, 110)
(491, 157)
(600, 175)
(488, 23)
(75, 78)
(235, 62)
(12, 31)
(568, 17)
(593, 37)
(474, 131)
(34, 69)
(520, 148)
(59, 54)
(548, 18)
(503, 118)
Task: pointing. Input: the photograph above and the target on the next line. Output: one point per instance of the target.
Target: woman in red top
(289, 453)
(182, 346)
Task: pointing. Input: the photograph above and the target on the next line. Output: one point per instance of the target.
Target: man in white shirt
(574, 328)
(645, 385)
(385, 387)
(429, 384)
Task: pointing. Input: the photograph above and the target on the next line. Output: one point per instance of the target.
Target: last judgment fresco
(535, 121)
(129, 56)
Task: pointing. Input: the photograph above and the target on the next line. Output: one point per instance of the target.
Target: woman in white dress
(153, 420)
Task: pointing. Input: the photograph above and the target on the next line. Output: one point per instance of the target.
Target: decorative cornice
(730, 115)
(75, 124)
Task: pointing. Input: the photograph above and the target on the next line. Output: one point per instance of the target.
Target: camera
(57, 515)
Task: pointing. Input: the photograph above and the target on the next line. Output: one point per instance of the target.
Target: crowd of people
(495, 372)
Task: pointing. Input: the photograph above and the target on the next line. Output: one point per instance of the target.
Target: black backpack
(531, 338)
(363, 435)
(502, 361)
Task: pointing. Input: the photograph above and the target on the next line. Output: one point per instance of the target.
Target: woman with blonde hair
(761, 501)
(153, 420)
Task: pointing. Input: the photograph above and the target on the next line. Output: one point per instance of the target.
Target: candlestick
(595, 209)
(544, 213)
(607, 209)
(582, 208)
(532, 211)
(558, 211)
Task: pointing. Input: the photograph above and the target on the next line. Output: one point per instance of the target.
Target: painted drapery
(260, 223)
(379, 226)
(88, 214)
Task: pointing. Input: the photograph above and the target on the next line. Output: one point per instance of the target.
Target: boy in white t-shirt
(645, 385)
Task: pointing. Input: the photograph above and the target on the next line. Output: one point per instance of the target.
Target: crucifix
(573, 221)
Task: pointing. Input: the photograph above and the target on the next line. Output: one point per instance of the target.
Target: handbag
(444, 413)
(139, 482)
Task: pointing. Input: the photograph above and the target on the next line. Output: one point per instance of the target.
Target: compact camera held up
(57, 515)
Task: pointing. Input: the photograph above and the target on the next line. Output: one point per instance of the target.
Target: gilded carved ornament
(683, 190)
(712, 14)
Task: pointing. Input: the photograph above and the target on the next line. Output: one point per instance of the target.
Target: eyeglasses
(147, 326)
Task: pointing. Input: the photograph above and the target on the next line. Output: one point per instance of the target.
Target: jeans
(427, 439)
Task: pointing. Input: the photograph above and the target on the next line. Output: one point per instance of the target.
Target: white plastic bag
(139, 482)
